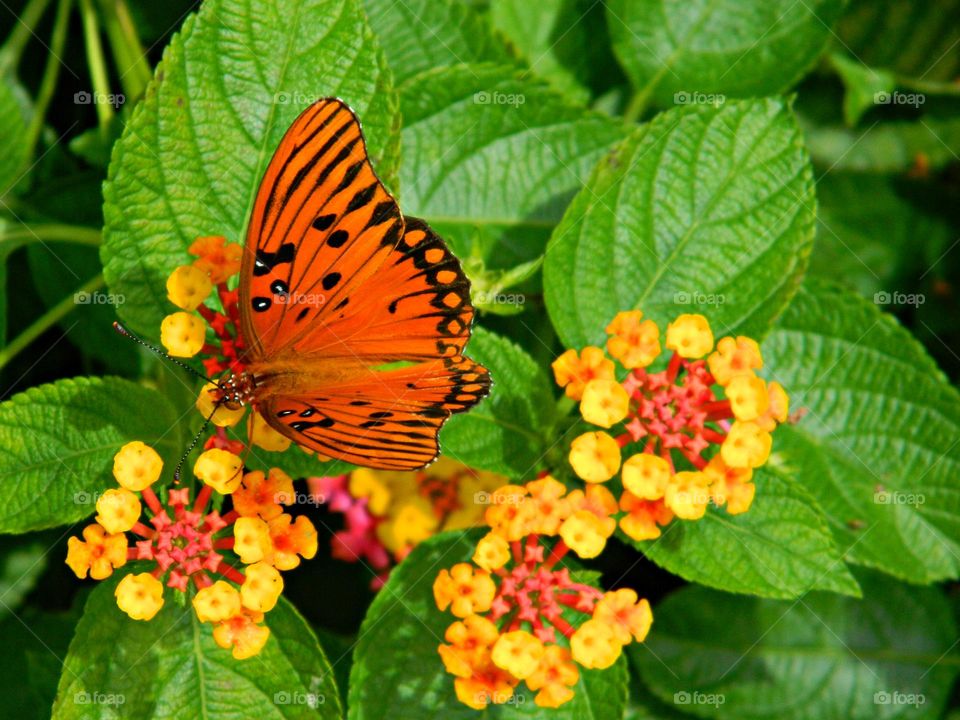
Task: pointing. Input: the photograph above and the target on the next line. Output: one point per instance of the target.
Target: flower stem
(53, 232)
(230, 573)
(150, 498)
(203, 497)
(556, 554)
(98, 65)
(637, 105)
(17, 39)
(49, 82)
(140, 529)
(43, 323)
(128, 52)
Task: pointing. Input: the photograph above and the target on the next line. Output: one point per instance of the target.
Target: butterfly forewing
(322, 224)
(338, 288)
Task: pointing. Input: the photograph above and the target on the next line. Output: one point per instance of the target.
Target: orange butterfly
(354, 317)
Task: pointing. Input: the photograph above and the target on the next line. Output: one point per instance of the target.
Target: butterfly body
(354, 318)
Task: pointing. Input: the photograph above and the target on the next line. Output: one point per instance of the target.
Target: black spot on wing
(323, 222)
(302, 426)
(330, 280)
(265, 261)
(338, 238)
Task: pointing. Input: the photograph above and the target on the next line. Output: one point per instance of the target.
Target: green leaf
(644, 705)
(489, 288)
(876, 444)
(888, 147)
(823, 657)
(8, 245)
(915, 39)
(22, 562)
(864, 86)
(492, 158)
(563, 41)
(701, 210)
(340, 648)
(738, 48)
(293, 461)
(57, 443)
(420, 35)
(404, 622)
(867, 233)
(170, 667)
(60, 269)
(30, 667)
(13, 130)
(229, 85)
(507, 432)
(780, 548)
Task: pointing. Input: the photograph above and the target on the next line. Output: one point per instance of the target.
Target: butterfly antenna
(196, 439)
(157, 351)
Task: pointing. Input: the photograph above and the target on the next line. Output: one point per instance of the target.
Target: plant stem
(17, 39)
(131, 58)
(637, 105)
(43, 323)
(50, 73)
(98, 65)
(54, 232)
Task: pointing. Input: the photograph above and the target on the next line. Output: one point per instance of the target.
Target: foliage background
(657, 153)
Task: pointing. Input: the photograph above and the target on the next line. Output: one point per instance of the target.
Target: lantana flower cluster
(680, 437)
(522, 616)
(184, 333)
(230, 563)
(386, 514)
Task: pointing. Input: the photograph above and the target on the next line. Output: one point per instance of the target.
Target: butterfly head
(236, 390)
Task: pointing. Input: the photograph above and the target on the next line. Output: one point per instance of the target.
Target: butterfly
(354, 317)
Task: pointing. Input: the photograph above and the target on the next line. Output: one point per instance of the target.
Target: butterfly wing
(416, 307)
(386, 419)
(334, 276)
(322, 224)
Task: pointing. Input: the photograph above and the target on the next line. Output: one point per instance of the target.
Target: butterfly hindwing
(386, 419)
